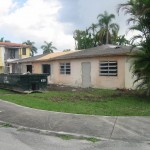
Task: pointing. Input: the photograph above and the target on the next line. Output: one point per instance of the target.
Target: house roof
(104, 50)
(53, 55)
(9, 45)
(42, 57)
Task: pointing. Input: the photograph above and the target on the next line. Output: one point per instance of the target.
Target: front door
(86, 74)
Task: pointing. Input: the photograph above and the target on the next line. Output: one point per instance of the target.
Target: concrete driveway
(111, 128)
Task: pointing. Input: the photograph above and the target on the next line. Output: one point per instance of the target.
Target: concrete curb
(56, 112)
(49, 132)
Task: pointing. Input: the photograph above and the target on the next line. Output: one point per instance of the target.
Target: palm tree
(136, 8)
(77, 35)
(139, 11)
(83, 39)
(140, 17)
(121, 40)
(141, 69)
(114, 36)
(93, 27)
(106, 25)
(48, 47)
(33, 48)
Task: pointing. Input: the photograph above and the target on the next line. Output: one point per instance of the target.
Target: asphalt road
(12, 139)
(107, 127)
(120, 133)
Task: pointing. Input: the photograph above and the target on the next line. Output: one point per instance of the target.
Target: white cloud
(36, 21)
(52, 20)
(6, 6)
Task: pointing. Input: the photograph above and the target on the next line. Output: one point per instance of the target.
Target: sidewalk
(120, 128)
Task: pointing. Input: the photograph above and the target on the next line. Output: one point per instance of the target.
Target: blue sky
(53, 20)
(20, 2)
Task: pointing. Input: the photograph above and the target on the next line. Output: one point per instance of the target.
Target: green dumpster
(24, 82)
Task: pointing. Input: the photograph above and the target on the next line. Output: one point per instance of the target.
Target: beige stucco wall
(122, 80)
(36, 68)
(75, 78)
(129, 78)
(109, 81)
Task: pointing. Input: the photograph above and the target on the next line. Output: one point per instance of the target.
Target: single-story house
(106, 66)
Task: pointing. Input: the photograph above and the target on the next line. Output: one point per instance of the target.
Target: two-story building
(10, 52)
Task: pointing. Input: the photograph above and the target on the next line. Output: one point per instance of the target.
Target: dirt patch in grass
(90, 95)
(57, 87)
(79, 97)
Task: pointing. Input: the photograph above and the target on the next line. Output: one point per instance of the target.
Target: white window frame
(65, 68)
(108, 68)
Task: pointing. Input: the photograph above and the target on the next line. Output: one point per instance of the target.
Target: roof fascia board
(49, 60)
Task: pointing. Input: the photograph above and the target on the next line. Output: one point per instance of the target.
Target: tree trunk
(107, 37)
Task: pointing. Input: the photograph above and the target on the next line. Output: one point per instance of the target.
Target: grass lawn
(91, 101)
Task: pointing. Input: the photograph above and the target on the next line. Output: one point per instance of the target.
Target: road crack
(113, 128)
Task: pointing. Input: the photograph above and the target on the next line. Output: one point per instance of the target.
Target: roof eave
(79, 57)
(103, 55)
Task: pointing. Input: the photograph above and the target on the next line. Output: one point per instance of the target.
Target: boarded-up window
(46, 68)
(65, 68)
(108, 68)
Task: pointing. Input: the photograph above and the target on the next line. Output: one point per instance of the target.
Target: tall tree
(77, 37)
(114, 36)
(93, 28)
(48, 47)
(106, 25)
(140, 17)
(33, 48)
(83, 39)
(121, 40)
(97, 34)
(141, 68)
